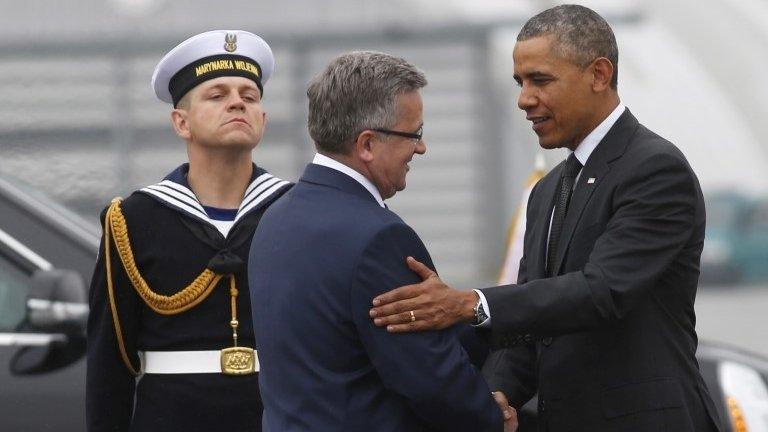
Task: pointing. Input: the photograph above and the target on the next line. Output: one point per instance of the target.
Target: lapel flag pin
(590, 180)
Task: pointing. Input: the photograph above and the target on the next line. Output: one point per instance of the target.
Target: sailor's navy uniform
(171, 361)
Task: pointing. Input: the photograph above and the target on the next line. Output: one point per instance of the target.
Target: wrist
(469, 302)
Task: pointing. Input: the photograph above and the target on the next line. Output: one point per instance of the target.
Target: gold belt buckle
(238, 361)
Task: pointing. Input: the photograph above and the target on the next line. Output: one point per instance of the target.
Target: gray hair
(581, 35)
(357, 91)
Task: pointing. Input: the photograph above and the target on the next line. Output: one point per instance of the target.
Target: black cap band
(213, 67)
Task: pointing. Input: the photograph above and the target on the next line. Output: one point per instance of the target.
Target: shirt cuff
(487, 322)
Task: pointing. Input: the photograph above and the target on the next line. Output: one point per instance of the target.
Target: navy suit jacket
(320, 255)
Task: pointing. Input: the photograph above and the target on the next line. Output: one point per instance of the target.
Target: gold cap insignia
(230, 42)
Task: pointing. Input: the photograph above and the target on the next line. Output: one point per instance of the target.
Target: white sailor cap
(211, 55)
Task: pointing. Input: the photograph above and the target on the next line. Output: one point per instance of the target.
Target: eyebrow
(538, 74)
(248, 86)
(532, 75)
(240, 87)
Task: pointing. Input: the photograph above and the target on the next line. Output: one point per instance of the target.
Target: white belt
(184, 362)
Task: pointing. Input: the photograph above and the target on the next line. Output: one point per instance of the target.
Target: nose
(421, 147)
(527, 99)
(235, 101)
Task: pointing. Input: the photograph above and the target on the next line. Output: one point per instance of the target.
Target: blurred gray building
(80, 122)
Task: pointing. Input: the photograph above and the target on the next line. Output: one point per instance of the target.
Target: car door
(46, 255)
(42, 367)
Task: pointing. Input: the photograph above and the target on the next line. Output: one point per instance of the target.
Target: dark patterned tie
(565, 187)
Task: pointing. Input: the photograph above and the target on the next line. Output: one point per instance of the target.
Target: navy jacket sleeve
(109, 384)
(429, 369)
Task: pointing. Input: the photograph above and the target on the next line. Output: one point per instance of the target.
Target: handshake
(509, 413)
(431, 305)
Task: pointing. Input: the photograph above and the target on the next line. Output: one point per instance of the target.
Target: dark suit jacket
(614, 340)
(319, 257)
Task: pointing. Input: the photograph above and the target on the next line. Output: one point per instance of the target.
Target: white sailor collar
(174, 192)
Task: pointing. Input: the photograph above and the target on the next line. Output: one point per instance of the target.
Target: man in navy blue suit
(328, 247)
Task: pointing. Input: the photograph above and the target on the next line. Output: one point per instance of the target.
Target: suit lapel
(611, 147)
(579, 200)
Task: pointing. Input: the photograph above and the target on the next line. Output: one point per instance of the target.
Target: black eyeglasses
(413, 135)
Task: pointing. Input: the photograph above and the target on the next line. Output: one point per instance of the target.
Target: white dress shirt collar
(338, 166)
(588, 145)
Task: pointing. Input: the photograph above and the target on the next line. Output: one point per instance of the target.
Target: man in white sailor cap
(170, 339)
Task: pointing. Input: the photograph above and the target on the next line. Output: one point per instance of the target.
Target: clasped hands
(431, 305)
(509, 413)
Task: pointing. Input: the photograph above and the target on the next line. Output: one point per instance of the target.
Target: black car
(46, 255)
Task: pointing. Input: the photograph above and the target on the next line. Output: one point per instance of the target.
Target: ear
(602, 73)
(180, 123)
(364, 146)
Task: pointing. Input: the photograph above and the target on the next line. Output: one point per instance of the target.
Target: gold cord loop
(183, 300)
(115, 228)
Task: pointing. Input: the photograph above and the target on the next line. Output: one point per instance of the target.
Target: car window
(14, 285)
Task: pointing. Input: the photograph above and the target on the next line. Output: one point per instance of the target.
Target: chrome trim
(69, 223)
(27, 253)
(30, 339)
(47, 312)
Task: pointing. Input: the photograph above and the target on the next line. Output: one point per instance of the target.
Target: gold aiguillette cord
(236, 360)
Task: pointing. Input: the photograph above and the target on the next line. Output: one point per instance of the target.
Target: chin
(390, 192)
(545, 145)
(240, 143)
(548, 144)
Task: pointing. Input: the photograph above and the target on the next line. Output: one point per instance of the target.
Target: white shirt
(223, 226)
(338, 166)
(588, 145)
(222, 219)
(583, 152)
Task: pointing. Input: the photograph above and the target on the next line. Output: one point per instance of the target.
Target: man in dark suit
(328, 248)
(601, 321)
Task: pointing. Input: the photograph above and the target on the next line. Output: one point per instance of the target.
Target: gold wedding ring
(413, 317)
